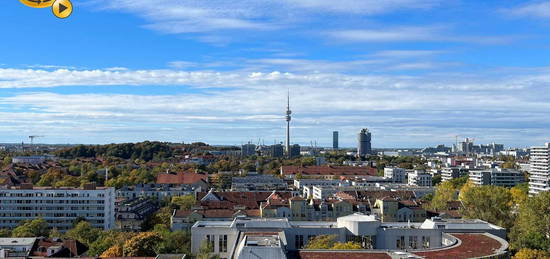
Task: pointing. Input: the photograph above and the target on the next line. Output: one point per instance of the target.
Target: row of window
(222, 243)
(413, 242)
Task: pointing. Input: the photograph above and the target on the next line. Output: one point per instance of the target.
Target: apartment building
(497, 177)
(398, 175)
(539, 178)
(419, 178)
(60, 207)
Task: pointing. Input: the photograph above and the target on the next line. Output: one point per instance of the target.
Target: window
(400, 242)
(223, 243)
(299, 241)
(426, 242)
(210, 240)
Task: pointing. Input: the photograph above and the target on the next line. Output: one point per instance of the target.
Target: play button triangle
(62, 8)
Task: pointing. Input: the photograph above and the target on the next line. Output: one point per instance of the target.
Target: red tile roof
(181, 178)
(250, 200)
(328, 170)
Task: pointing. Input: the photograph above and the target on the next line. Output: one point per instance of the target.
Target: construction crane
(33, 137)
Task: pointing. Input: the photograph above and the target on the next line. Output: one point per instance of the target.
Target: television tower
(288, 118)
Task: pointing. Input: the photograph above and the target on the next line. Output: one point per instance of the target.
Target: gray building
(364, 143)
(275, 238)
(497, 177)
(160, 191)
(335, 140)
(248, 150)
(295, 151)
(276, 150)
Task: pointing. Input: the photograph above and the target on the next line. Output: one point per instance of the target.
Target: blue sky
(415, 72)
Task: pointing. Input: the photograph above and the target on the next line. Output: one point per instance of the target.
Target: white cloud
(532, 9)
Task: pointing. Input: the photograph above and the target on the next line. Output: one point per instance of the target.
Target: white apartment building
(420, 178)
(60, 207)
(399, 175)
(539, 178)
(497, 177)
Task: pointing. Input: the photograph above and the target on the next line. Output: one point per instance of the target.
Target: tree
(321, 242)
(108, 239)
(178, 242)
(84, 232)
(436, 180)
(205, 251)
(489, 203)
(162, 217)
(444, 193)
(5, 232)
(532, 227)
(142, 244)
(54, 233)
(113, 251)
(527, 253)
(346, 246)
(31, 228)
(184, 202)
(520, 193)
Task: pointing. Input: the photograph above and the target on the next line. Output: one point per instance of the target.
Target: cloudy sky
(415, 72)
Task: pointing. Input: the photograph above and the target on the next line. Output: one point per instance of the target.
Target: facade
(398, 175)
(281, 238)
(497, 177)
(16, 247)
(275, 150)
(258, 183)
(449, 173)
(392, 210)
(539, 178)
(248, 150)
(160, 191)
(327, 172)
(364, 143)
(420, 178)
(60, 207)
(33, 160)
(295, 150)
(130, 214)
(335, 140)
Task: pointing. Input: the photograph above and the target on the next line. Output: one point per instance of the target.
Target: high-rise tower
(288, 118)
(363, 142)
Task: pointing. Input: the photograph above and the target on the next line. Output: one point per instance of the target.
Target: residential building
(160, 191)
(181, 178)
(539, 178)
(60, 207)
(258, 183)
(276, 150)
(281, 238)
(16, 247)
(326, 172)
(130, 214)
(420, 178)
(398, 175)
(449, 173)
(496, 176)
(392, 210)
(295, 151)
(33, 160)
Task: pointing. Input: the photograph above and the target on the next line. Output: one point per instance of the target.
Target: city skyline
(218, 72)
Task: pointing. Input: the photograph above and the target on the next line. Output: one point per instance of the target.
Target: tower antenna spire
(288, 118)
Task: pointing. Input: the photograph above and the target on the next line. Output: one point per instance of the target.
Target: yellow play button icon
(62, 8)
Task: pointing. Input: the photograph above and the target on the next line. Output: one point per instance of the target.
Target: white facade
(60, 207)
(420, 178)
(539, 179)
(399, 175)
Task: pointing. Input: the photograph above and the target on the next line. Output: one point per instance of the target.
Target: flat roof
(23, 241)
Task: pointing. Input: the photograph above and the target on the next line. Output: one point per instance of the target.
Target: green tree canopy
(142, 244)
(532, 226)
(31, 228)
(489, 203)
(84, 232)
(184, 202)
